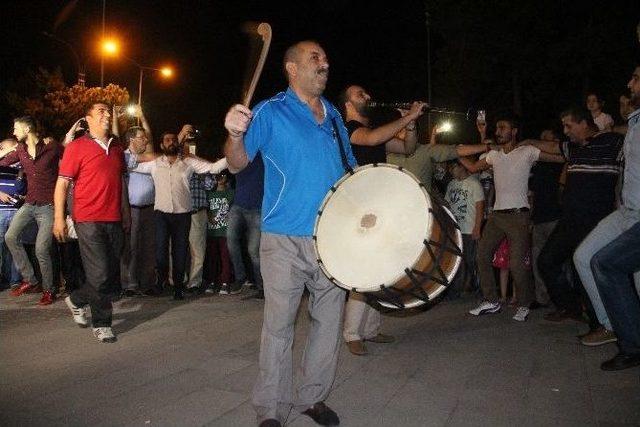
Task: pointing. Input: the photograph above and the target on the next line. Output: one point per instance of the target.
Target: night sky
(477, 49)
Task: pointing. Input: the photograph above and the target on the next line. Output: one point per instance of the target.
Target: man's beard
(363, 109)
(171, 150)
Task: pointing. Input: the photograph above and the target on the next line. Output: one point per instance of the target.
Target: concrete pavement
(193, 363)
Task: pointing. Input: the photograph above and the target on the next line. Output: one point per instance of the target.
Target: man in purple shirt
(39, 160)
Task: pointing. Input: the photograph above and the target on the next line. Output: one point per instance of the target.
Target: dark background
(531, 57)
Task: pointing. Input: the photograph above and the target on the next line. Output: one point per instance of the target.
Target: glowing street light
(110, 47)
(166, 72)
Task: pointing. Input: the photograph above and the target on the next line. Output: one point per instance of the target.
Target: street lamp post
(79, 64)
(165, 71)
(104, 9)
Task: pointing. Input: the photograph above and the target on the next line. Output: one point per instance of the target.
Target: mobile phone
(482, 118)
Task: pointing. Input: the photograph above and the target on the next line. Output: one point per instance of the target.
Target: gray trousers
(138, 262)
(539, 236)
(289, 265)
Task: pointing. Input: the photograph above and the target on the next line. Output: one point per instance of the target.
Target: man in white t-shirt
(466, 200)
(510, 216)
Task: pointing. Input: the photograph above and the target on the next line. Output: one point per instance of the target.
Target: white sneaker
(486, 307)
(521, 314)
(224, 289)
(104, 334)
(79, 314)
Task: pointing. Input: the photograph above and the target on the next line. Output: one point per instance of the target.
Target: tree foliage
(57, 106)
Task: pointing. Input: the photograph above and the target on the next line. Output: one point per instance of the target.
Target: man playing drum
(294, 132)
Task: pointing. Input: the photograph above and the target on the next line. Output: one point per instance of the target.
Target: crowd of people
(559, 217)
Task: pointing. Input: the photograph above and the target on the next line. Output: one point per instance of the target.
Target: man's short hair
(343, 98)
(579, 114)
(89, 106)
(131, 133)
(292, 53)
(28, 121)
(513, 121)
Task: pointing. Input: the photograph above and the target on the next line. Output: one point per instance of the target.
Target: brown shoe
(357, 347)
(381, 339)
(598, 337)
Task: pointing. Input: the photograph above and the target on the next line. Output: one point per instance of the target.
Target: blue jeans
(239, 222)
(607, 230)
(9, 268)
(43, 216)
(613, 267)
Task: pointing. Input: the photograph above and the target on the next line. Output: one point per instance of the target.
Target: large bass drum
(379, 232)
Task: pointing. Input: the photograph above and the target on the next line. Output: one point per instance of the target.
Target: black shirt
(592, 174)
(366, 154)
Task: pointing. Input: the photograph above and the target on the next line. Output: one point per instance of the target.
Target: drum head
(372, 227)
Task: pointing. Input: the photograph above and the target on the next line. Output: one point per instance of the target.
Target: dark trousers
(217, 262)
(466, 278)
(100, 248)
(71, 265)
(613, 267)
(556, 254)
(172, 228)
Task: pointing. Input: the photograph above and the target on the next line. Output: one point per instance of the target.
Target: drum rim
(331, 191)
(450, 276)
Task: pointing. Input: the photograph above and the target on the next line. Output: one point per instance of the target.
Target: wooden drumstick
(264, 31)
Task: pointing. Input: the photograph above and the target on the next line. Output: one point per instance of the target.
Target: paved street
(194, 363)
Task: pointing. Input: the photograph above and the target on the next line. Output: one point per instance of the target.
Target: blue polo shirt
(301, 160)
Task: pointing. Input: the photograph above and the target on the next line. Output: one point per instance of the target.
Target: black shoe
(536, 305)
(256, 295)
(178, 295)
(152, 292)
(270, 422)
(128, 293)
(323, 415)
(621, 361)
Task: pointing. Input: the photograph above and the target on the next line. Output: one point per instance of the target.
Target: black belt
(514, 210)
(141, 206)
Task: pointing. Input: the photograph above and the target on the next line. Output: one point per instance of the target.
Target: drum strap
(343, 155)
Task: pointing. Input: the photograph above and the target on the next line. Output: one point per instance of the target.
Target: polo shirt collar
(634, 116)
(102, 144)
(328, 114)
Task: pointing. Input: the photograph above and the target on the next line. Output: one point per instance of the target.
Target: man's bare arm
(552, 147)
(554, 158)
(476, 166)
(59, 200)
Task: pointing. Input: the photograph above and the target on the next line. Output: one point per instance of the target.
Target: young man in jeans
(610, 255)
(39, 160)
(243, 222)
